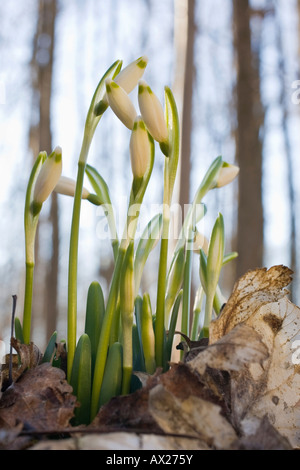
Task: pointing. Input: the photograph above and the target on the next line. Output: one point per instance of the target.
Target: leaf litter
(240, 390)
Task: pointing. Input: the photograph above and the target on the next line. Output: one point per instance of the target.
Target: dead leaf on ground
(28, 356)
(41, 400)
(251, 291)
(270, 388)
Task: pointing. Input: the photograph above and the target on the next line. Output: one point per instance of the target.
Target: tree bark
(248, 144)
(282, 73)
(41, 139)
(187, 104)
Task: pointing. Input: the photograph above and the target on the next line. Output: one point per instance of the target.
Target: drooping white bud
(120, 103)
(139, 148)
(48, 177)
(67, 187)
(127, 79)
(226, 174)
(152, 113)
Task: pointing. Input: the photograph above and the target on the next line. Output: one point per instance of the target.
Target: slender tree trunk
(186, 127)
(41, 139)
(248, 144)
(288, 150)
(183, 91)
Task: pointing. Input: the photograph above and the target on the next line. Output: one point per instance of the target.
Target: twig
(10, 380)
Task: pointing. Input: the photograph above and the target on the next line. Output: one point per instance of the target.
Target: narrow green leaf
(174, 282)
(147, 243)
(138, 362)
(81, 379)
(229, 257)
(172, 327)
(148, 338)
(112, 379)
(50, 349)
(102, 191)
(19, 330)
(95, 309)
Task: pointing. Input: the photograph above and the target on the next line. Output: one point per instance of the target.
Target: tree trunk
(41, 139)
(282, 73)
(186, 125)
(248, 144)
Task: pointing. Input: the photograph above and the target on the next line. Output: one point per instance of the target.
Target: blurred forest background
(233, 66)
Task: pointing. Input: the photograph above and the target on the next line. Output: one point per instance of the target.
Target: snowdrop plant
(43, 179)
(130, 331)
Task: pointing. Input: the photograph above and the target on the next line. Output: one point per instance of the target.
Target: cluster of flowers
(151, 121)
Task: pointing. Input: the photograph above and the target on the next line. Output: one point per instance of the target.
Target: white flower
(152, 113)
(226, 174)
(120, 103)
(67, 187)
(139, 148)
(48, 177)
(127, 79)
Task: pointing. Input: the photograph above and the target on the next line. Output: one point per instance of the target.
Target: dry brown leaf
(242, 345)
(41, 399)
(265, 438)
(270, 388)
(192, 416)
(28, 356)
(278, 379)
(251, 291)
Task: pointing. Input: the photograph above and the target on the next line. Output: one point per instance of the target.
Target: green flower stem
(105, 333)
(110, 312)
(196, 313)
(127, 322)
(148, 339)
(28, 301)
(170, 170)
(73, 266)
(91, 123)
(115, 327)
(30, 226)
(186, 300)
(213, 269)
(161, 291)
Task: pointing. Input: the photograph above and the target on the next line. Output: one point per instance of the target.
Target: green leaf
(138, 362)
(101, 189)
(148, 338)
(50, 349)
(174, 281)
(172, 121)
(81, 379)
(147, 243)
(19, 330)
(95, 309)
(94, 115)
(229, 257)
(213, 266)
(172, 327)
(112, 379)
